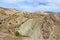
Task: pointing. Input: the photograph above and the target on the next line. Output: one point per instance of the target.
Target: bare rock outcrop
(34, 25)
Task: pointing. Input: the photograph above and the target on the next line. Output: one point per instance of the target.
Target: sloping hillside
(35, 25)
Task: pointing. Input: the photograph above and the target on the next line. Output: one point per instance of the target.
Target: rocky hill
(39, 25)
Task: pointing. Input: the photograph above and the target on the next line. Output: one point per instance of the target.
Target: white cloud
(12, 1)
(53, 5)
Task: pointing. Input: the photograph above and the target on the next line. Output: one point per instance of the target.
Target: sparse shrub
(17, 33)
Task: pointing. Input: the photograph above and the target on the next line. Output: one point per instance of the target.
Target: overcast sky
(32, 5)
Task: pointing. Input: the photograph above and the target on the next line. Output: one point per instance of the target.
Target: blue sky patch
(32, 5)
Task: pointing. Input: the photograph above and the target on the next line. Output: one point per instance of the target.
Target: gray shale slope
(39, 25)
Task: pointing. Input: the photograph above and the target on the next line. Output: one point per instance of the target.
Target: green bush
(18, 34)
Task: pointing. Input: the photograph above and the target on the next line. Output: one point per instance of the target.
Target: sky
(32, 5)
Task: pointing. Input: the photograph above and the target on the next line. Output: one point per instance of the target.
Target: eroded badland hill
(15, 23)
